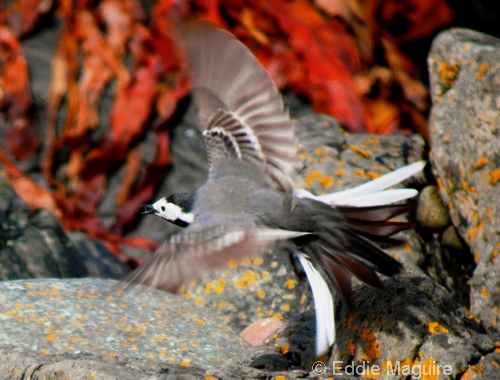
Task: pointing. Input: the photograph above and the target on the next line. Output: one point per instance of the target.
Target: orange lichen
(372, 351)
(315, 175)
(362, 152)
(290, 283)
(351, 347)
(484, 293)
(340, 172)
(482, 69)
(495, 176)
(482, 162)
(473, 232)
(435, 327)
(448, 73)
(326, 182)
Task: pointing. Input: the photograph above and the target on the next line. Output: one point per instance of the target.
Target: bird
(249, 203)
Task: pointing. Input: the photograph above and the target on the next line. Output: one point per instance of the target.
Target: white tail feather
(323, 302)
(379, 198)
(371, 193)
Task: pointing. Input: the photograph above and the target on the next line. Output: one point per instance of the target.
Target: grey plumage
(248, 203)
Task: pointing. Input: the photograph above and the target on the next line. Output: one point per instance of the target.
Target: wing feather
(234, 91)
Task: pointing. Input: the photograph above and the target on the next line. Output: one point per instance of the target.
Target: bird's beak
(148, 209)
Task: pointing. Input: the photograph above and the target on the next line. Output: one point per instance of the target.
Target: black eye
(162, 208)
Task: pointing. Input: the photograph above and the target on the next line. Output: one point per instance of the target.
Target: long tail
(341, 253)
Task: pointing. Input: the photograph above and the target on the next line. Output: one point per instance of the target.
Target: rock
(256, 332)
(431, 212)
(451, 239)
(17, 363)
(35, 246)
(464, 122)
(88, 316)
(416, 323)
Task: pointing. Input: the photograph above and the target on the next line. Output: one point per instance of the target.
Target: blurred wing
(192, 253)
(237, 98)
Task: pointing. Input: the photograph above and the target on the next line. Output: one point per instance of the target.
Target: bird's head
(171, 210)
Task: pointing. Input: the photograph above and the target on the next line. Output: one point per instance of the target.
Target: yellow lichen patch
(373, 175)
(199, 301)
(216, 287)
(435, 327)
(448, 73)
(285, 307)
(327, 182)
(257, 261)
(473, 232)
(482, 69)
(359, 173)
(278, 316)
(285, 349)
(340, 172)
(51, 337)
(247, 279)
(484, 292)
(200, 322)
(303, 155)
(261, 294)
(315, 175)
(362, 152)
(446, 139)
(372, 141)
(184, 364)
(482, 162)
(472, 370)
(280, 377)
(223, 304)
(320, 151)
(495, 176)
(290, 283)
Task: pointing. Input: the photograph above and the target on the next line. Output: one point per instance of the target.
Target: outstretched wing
(239, 103)
(196, 251)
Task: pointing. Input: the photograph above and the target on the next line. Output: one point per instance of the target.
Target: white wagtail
(248, 203)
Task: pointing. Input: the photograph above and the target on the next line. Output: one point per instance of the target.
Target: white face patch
(187, 217)
(167, 210)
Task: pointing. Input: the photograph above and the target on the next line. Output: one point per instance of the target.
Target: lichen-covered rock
(90, 316)
(464, 126)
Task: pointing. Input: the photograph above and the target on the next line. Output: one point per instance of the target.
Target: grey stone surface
(18, 363)
(89, 316)
(465, 87)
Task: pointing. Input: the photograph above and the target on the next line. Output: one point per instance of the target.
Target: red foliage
(346, 57)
